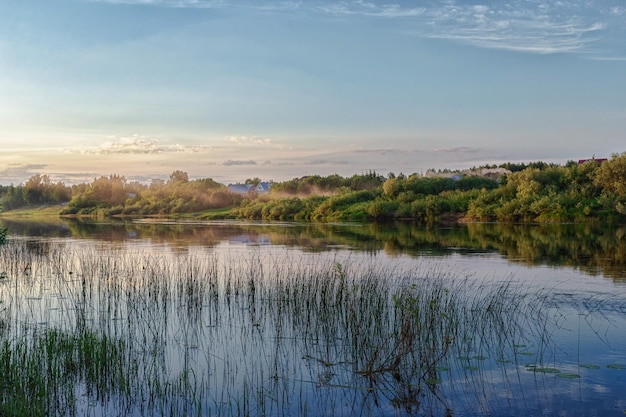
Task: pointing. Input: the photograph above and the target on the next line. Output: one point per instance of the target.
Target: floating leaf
(535, 368)
(442, 368)
(471, 368)
(616, 366)
(480, 358)
(568, 376)
(503, 361)
(527, 353)
(547, 370)
(464, 358)
(433, 381)
(588, 366)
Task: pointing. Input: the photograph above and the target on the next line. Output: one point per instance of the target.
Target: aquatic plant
(91, 328)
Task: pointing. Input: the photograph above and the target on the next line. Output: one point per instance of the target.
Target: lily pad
(568, 376)
(545, 370)
(589, 366)
(480, 358)
(433, 381)
(616, 366)
(471, 368)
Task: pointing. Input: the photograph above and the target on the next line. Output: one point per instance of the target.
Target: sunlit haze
(281, 89)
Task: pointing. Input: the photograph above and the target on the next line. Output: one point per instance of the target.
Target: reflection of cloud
(137, 144)
(236, 162)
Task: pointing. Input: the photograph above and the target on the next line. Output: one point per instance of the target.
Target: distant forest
(509, 192)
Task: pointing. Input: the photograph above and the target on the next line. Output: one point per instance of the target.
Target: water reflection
(269, 331)
(596, 250)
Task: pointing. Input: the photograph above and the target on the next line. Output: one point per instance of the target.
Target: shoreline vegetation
(537, 192)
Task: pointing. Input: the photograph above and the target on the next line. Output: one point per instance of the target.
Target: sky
(278, 89)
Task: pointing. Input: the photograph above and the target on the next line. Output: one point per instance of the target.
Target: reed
(98, 329)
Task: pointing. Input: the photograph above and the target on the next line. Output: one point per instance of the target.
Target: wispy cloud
(277, 5)
(540, 27)
(366, 8)
(238, 162)
(457, 149)
(167, 3)
(537, 27)
(530, 26)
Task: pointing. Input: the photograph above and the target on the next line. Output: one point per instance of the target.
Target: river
(248, 318)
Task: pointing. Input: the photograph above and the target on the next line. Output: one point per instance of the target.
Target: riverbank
(55, 211)
(45, 210)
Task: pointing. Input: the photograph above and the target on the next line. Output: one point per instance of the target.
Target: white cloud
(541, 28)
(237, 162)
(537, 26)
(248, 140)
(519, 25)
(371, 9)
(136, 144)
(167, 3)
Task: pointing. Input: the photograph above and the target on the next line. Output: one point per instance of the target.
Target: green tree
(611, 175)
(179, 176)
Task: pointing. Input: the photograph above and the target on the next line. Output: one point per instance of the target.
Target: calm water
(226, 314)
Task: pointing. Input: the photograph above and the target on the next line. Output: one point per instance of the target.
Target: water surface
(344, 319)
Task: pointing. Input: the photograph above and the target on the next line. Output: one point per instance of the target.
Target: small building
(263, 187)
(598, 160)
(244, 189)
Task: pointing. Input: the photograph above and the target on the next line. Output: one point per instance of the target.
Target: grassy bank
(39, 211)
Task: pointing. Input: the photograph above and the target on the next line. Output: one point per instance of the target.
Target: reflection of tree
(592, 249)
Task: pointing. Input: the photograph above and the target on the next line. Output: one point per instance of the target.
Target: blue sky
(281, 89)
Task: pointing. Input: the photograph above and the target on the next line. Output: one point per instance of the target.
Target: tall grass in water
(91, 330)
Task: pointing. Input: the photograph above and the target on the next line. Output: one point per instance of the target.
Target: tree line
(534, 192)
(115, 195)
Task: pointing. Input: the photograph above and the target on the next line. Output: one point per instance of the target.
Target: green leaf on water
(589, 366)
(471, 368)
(547, 370)
(464, 358)
(527, 353)
(442, 368)
(433, 381)
(503, 361)
(568, 376)
(616, 366)
(480, 358)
